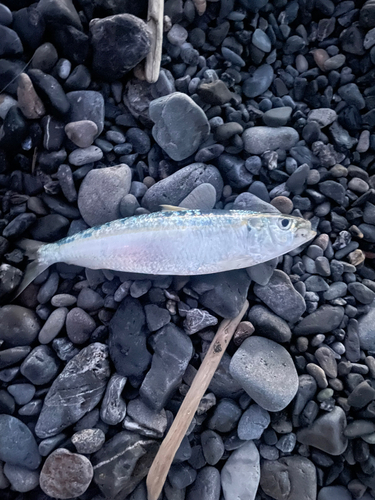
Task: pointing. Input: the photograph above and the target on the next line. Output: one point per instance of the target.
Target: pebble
(327, 361)
(113, 408)
(65, 474)
(82, 133)
(21, 479)
(167, 368)
(362, 394)
(326, 433)
(108, 461)
(22, 393)
(100, 186)
(259, 139)
(180, 125)
(212, 446)
(253, 422)
(266, 372)
(156, 317)
(79, 325)
(299, 478)
(86, 105)
(149, 422)
(83, 156)
(206, 486)
(366, 330)
(269, 324)
(88, 441)
(203, 197)
(50, 87)
(225, 416)
(325, 319)
(180, 184)
(28, 100)
(40, 366)
(13, 432)
(127, 339)
(119, 43)
(323, 116)
(241, 473)
(20, 326)
(214, 93)
(277, 117)
(281, 297)
(259, 81)
(334, 493)
(196, 320)
(86, 376)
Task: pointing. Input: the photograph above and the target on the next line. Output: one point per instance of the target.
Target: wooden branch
(155, 17)
(163, 460)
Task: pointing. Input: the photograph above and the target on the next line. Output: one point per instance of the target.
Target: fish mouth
(306, 233)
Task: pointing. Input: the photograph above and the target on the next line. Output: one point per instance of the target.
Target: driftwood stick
(155, 18)
(163, 460)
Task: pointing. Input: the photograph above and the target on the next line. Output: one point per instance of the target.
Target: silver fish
(175, 241)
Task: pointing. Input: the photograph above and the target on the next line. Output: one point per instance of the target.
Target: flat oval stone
(19, 325)
(258, 82)
(260, 139)
(65, 474)
(266, 372)
(13, 433)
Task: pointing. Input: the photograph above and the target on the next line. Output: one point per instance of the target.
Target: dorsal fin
(172, 208)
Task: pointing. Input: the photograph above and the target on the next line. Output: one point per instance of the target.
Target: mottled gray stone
(257, 140)
(113, 409)
(88, 440)
(266, 372)
(21, 478)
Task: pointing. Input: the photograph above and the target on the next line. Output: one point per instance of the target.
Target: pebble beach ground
(260, 105)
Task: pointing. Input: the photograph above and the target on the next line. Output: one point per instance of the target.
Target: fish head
(279, 234)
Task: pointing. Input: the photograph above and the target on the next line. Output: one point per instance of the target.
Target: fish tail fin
(34, 268)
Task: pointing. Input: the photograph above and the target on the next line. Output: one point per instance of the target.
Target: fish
(174, 241)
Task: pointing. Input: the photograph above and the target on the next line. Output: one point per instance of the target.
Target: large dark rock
(119, 43)
(173, 350)
(173, 189)
(323, 320)
(223, 293)
(76, 391)
(127, 339)
(122, 463)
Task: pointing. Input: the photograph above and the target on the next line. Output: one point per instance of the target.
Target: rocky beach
(259, 105)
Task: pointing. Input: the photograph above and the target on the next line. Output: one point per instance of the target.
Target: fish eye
(285, 223)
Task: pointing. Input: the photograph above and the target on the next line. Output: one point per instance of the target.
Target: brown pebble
(82, 133)
(318, 373)
(357, 257)
(338, 171)
(65, 474)
(148, 181)
(284, 204)
(244, 330)
(355, 231)
(322, 241)
(336, 384)
(320, 57)
(28, 100)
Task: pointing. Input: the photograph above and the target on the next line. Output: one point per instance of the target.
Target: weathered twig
(163, 460)
(201, 6)
(155, 23)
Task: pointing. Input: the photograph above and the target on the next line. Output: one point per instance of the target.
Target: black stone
(29, 24)
(51, 89)
(41, 365)
(50, 228)
(127, 339)
(168, 366)
(14, 129)
(71, 43)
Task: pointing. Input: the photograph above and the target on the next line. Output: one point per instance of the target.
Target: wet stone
(167, 367)
(85, 376)
(65, 474)
(266, 372)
